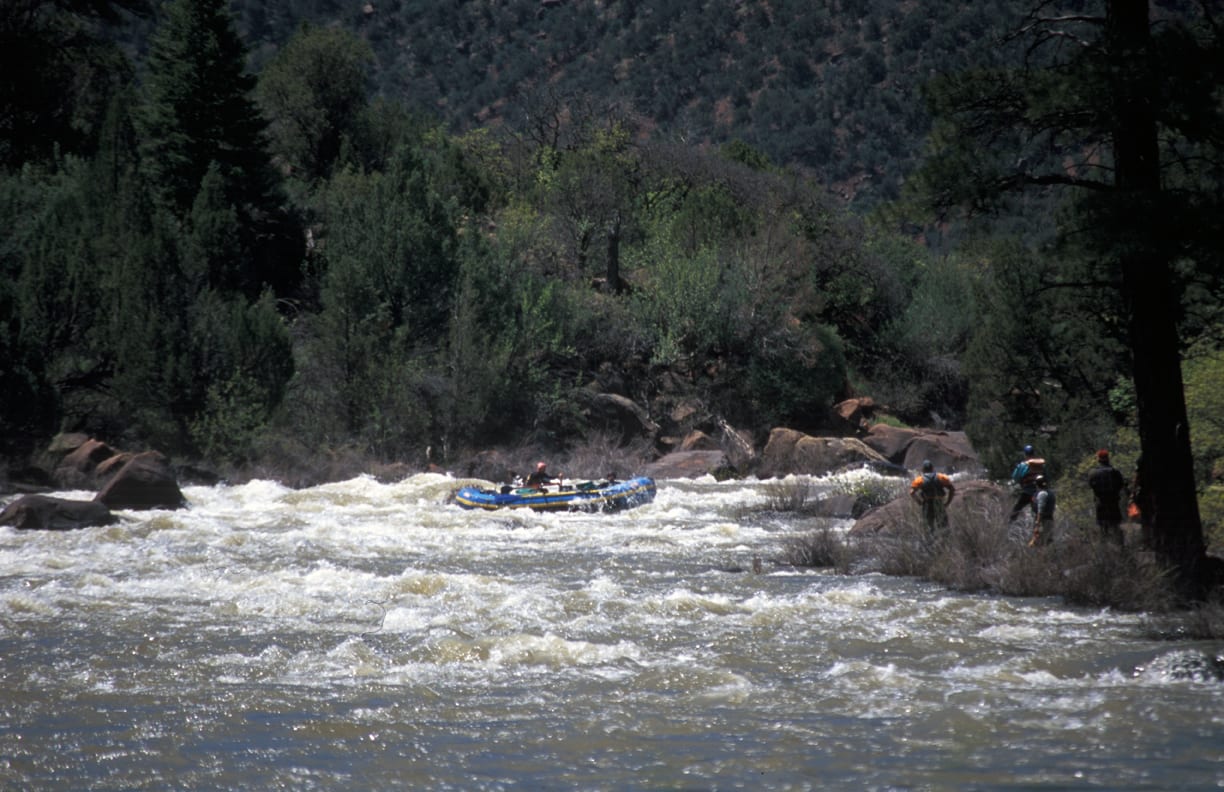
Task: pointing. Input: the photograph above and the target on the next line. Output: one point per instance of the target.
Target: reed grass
(792, 495)
(979, 552)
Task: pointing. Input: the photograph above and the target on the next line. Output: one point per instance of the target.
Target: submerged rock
(45, 513)
(1184, 665)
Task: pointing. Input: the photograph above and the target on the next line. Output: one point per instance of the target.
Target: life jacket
(1032, 469)
(930, 486)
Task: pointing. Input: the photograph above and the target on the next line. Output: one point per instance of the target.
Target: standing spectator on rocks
(1043, 507)
(928, 491)
(1107, 485)
(1025, 475)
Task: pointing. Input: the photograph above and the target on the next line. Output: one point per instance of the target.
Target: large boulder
(45, 513)
(145, 481)
(78, 468)
(687, 464)
(854, 415)
(790, 452)
(613, 409)
(26, 480)
(974, 500)
(950, 452)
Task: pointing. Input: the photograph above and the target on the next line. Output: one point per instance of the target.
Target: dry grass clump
(870, 491)
(823, 548)
(803, 496)
(597, 457)
(792, 495)
(979, 552)
(602, 455)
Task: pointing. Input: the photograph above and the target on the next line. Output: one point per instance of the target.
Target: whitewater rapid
(362, 635)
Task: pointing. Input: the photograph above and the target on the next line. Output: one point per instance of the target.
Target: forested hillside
(259, 232)
(832, 86)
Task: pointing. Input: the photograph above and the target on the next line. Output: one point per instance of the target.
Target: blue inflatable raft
(579, 496)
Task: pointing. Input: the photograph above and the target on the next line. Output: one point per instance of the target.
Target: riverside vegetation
(980, 552)
(259, 254)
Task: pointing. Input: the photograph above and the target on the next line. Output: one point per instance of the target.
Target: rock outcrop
(950, 452)
(688, 464)
(77, 468)
(790, 452)
(144, 481)
(45, 513)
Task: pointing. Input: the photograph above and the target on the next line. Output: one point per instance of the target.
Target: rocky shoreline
(148, 480)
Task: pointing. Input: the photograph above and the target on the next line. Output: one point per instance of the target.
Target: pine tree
(199, 114)
(199, 108)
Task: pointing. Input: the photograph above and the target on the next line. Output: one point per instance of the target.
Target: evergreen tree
(199, 114)
(199, 110)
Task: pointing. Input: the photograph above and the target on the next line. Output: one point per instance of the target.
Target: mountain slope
(834, 86)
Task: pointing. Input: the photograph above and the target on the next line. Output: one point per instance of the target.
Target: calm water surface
(367, 636)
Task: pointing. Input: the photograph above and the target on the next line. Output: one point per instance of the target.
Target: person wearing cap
(1107, 485)
(1043, 507)
(540, 477)
(1025, 475)
(928, 491)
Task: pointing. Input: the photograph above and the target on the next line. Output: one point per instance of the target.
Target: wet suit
(928, 491)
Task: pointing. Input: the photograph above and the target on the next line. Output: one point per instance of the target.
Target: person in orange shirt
(928, 491)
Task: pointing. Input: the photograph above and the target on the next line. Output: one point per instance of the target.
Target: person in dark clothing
(928, 491)
(1107, 485)
(1043, 507)
(1025, 475)
(540, 477)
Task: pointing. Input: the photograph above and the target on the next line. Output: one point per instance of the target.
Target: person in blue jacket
(1025, 474)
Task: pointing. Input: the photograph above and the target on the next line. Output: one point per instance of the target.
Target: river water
(365, 636)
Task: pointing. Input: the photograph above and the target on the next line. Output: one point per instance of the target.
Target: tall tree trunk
(1151, 309)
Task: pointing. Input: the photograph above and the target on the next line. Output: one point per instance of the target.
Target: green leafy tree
(242, 359)
(313, 93)
(27, 399)
(1129, 117)
(388, 258)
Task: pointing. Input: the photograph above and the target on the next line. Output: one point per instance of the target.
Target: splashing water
(363, 635)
